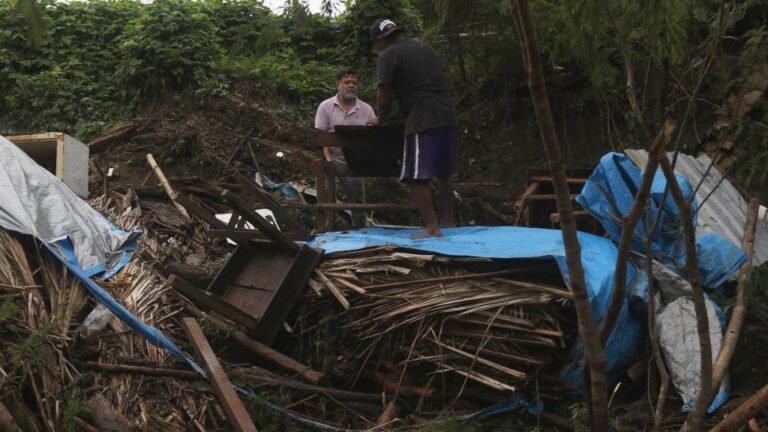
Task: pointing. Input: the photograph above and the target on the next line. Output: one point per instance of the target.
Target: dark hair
(346, 71)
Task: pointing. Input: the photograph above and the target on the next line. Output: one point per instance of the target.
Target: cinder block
(59, 153)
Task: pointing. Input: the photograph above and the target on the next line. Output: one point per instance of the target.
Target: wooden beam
(208, 301)
(547, 197)
(233, 406)
(278, 359)
(548, 179)
(579, 215)
(245, 211)
(364, 206)
(281, 215)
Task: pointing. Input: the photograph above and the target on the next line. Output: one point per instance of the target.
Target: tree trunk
(697, 295)
(594, 356)
(628, 230)
(740, 308)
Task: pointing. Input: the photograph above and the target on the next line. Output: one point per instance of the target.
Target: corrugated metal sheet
(725, 211)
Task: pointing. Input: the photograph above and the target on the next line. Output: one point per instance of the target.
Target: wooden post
(166, 186)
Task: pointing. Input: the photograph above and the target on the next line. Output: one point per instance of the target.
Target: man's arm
(323, 122)
(384, 102)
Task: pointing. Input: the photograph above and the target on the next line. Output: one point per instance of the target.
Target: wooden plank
(364, 206)
(547, 197)
(333, 289)
(320, 187)
(281, 215)
(209, 301)
(233, 406)
(193, 206)
(548, 179)
(245, 211)
(286, 295)
(579, 215)
(278, 359)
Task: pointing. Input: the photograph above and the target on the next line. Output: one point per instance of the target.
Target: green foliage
(33, 348)
(283, 72)
(362, 13)
(245, 27)
(451, 424)
(8, 308)
(579, 417)
(173, 45)
(30, 10)
(74, 406)
(67, 83)
(260, 407)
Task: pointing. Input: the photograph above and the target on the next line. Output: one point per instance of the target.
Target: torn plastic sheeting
(678, 335)
(608, 196)
(151, 334)
(598, 257)
(679, 341)
(33, 201)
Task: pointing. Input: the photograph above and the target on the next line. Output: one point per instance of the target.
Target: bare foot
(427, 234)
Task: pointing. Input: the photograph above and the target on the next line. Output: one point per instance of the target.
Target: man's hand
(372, 121)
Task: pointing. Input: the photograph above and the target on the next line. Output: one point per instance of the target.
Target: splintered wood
(415, 321)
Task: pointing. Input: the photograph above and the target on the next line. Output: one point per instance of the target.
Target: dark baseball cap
(382, 28)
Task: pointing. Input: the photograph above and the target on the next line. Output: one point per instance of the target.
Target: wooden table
(370, 151)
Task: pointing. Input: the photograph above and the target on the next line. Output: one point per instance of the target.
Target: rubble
(357, 329)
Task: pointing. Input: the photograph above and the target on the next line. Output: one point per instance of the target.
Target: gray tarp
(679, 337)
(33, 201)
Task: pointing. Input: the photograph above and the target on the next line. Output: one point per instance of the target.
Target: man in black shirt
(410, 71)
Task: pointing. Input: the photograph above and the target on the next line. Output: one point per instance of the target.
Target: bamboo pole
(166, 185)
(740, 307)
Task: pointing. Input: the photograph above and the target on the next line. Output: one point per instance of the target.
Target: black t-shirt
(415, 73)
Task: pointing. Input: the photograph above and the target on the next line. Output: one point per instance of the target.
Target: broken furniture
(370, 151)
(236, 412)
(264, 276)
(59, 153)
(538, 204)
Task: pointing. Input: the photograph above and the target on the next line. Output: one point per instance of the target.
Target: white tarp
(33, 201)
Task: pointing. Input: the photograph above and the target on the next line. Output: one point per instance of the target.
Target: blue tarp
(609, 194)
(34, 202)
(598, 256)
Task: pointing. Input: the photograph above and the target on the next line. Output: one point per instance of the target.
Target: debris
(164, 182)
(233, 406)
(277, 359)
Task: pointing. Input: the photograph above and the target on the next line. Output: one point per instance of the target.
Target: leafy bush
(66, 83)
(172, 45)
(282, 72)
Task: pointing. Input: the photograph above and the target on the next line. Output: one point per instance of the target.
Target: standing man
(409, 70)
(345, 109)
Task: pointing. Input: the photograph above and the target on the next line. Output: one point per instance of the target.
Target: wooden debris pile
(423, 325)
(56, 373)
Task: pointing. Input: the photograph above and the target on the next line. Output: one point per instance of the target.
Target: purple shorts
(429, 154)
